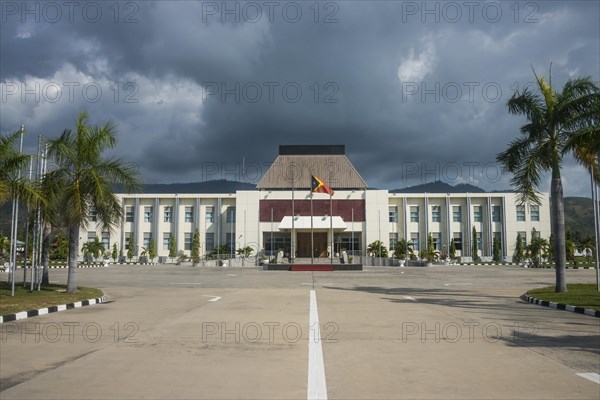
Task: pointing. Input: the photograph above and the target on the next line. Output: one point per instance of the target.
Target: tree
(377, 249)
(554, 119)
(475, 246)
(496, 250)
(402, 248)
(115, 252)
(452, 250)
(130, 248)
(4, 245)
(196, 248)
(244, 252)
(536, 248)
(12, 162)
(152, 250)
(519, 250)
(172, 247)
(429, 252)
(93, 248)
(83, 179)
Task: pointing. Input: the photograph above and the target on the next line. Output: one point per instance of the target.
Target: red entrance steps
(297, 267)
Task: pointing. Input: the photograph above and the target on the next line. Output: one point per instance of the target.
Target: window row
(436, 214)
(415, 240)
(188, 215)
(188, 237)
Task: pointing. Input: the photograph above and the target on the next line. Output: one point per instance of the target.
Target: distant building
(263, 218)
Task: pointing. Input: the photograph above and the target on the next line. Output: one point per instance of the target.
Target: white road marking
(456, 284)
(186, 283)
(409, 298)
(214, 298)
(317, 387)
(591, 376)
(231, 275)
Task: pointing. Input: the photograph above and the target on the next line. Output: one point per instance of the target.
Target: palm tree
(554, 118)
(377, 249)
(402, 249)
(93, 248)
(12, 161)
(83, 181)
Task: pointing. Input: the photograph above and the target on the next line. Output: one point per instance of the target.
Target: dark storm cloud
(410, 99)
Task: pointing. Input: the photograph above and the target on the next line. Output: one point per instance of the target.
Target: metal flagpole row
(27, 231)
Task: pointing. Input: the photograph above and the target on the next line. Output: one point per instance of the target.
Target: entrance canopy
(318, 223)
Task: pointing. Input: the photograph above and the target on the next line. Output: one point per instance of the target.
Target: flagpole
(331, 220)
(292, 253)
(312, 239)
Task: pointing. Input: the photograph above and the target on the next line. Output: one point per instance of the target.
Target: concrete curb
(51, 309)
(559, 306)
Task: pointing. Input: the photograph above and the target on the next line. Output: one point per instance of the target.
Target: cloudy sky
(416, 91)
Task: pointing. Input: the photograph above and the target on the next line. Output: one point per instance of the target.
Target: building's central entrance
(320, 244)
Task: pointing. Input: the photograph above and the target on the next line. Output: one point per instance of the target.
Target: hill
(440, 187)
(579, 215)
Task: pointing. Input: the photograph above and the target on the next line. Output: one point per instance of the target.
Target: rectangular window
(414, 213)
(230, 238)
(147, 238)
(496, 214)
(523, 237)
(457, 236)
(436, 214)
(520, 213)
(129, 214)
(437, 242)
(456, 213)
(148, 214)
(477, 214)
(535, 234)
(189, 214)
(127, 237)
(91, 236)
(166, 240)
(478, 240)
(168, 214)
(106, 241)
(393, 214)
(94, 216)
(187, 241)
(414, 238)
(535, 213)
(231, 215)
(210, 214)
(393, 240)
(210, 242)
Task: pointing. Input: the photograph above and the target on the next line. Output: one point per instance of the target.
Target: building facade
(283, 213)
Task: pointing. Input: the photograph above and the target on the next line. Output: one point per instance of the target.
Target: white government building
(262, 218)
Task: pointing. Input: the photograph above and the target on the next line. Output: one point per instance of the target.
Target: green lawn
(51, 295)
(579, 295)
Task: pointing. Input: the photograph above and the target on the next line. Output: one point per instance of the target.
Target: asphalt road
(385, 333)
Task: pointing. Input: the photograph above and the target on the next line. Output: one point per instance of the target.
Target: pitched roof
(295, 170)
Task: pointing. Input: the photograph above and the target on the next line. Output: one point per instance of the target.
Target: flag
(318, 186)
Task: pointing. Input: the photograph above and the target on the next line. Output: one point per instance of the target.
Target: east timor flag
(318, 186)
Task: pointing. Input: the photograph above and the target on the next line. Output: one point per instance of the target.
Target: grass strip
(50, 295)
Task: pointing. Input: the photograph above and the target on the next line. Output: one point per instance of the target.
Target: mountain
(440, 187)
(579, 215)
(216, 186)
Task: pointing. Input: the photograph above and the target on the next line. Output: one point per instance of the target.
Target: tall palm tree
(12, 161)
(554, 118)
(83, 180)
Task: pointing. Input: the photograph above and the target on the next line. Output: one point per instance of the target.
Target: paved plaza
(171, 332)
